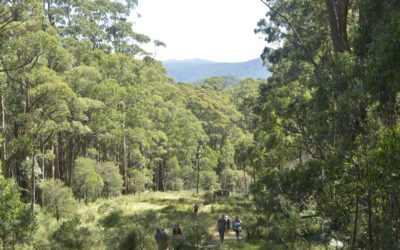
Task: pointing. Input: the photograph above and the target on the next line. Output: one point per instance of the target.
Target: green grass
(110, 220)
(162, 209)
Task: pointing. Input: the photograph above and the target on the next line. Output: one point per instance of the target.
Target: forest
(99, 146)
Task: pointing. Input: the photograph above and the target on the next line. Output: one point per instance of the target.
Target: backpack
(161, 236)
(237, 225)
(222, 225)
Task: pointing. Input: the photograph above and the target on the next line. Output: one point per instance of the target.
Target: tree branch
(298, 38)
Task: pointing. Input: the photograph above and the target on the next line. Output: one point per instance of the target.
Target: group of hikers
(224, 224)
(163, 242)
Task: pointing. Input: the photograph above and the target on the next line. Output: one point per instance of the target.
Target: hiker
(161, 238)
(222, 225)
(177, 238)
(237, 227)
(196, 208)
(228, 224)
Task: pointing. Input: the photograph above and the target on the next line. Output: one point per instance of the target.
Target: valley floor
(119, 222)
(108, 220)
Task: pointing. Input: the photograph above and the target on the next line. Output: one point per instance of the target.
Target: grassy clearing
(109, 221)
(159, 209)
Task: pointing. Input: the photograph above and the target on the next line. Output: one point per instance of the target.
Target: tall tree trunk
(245, 180)
(49, 15)
(84, 146)
(337, 13)
(160, 178)
(255, 173)
(43, 172)
(59, 161)
(198, 168)
(124, 161)
(355, 227)
(369, 195)
(71, 158)
(357, 198)
(369, 16)
(3, 129)
(33, 183)
(300, 156)
(104, 149)
(198, 176)
(370, 229)
(155, 179)
(55, 160)
(57, 213)
(42, 162)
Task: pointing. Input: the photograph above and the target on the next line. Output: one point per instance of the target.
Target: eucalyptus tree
(58, 199)
(87, 182)
(104, 23)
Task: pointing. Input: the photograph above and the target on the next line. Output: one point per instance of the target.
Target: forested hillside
(99, 146)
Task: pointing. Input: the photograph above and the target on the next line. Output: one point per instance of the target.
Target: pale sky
(218, 30)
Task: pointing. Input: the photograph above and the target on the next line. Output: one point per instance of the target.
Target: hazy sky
(219, 30)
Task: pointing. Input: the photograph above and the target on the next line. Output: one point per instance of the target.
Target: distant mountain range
(194, 70)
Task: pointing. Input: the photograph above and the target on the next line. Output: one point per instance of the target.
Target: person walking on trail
(161, 238)
(228, 223)
(237, 227)
(222, 225)
(196, 208)
(177, 238)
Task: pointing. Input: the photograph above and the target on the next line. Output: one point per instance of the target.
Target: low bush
(71, 235)
(111, 219)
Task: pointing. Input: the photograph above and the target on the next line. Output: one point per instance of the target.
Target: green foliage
(130, 232)
(319, 139)
(245, 98)
(197, 236)
(112, 218)
(285, 225)
(71, 235)
(84, 106)
(26, 167)
(131, 241)
(209, 180)
(325, 118)
(82, 93)
(111, 177)
(174, 182)
(17, 219)
(139, 179)
(87, 182)
(383, 180)
(387, 158)
(213, 83)
(58, 199)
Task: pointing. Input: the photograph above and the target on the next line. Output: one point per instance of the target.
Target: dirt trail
(229, 239)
